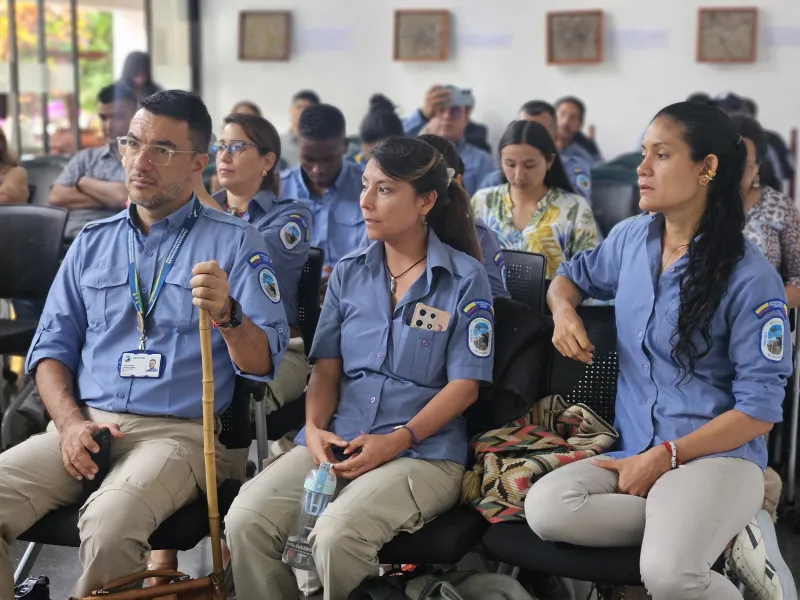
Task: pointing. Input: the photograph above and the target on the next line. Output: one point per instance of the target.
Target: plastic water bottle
(318, 491)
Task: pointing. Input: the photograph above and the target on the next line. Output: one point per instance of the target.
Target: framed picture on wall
(727, 35)
(574, 37)
(265, 35)
(421, 35)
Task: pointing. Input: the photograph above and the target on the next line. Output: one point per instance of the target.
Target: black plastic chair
(613, 201)
(31, 193)
(42, 172)
(292, 416)
(30, 245)
(184, 529)
(525, 277)
(596, 386)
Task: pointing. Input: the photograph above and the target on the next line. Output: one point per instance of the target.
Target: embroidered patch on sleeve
(583, 182)
(259, 259)
(478, 305)
(776, 304)
(291, 235)
(269, 285)
(772, 339)
(479, 337)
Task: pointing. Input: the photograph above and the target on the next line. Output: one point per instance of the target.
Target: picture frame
(421, 35)
(265, 35)
(574, 37)
(727, 35)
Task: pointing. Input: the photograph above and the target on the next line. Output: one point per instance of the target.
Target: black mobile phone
(102, 458)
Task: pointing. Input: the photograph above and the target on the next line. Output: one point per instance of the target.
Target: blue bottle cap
(321, 480)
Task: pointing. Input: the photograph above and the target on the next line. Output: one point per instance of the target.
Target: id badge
(141, 364)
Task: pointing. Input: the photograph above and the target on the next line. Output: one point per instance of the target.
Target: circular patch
(269, 285)
(291, 235)
(479, 337)
(772, 339)
(583, 182)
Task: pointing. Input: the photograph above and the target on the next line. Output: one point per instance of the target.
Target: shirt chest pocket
(349, 223)
(420, 355)
(105, 292)
(174, 306)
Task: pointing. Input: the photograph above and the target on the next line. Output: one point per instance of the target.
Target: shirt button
(363, 432)
(280, 329)
(380, 355)
(646, 367)
(641, 334)
(649, 400)
(144, 290)
(672, 269)
(372, 399)
(149, 253)
(424, 342)
(120, 395)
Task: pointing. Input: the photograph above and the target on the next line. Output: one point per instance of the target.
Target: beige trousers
(156, 469)
(291, 379)
(401, 495)
(684, 524)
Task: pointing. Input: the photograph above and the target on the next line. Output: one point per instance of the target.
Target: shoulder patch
(498, 258)
(269, 285)
(478, 305)
(582, 181)
(776, 304)
(258, 259)
(479, 337)
(291, 235)
(772, 339)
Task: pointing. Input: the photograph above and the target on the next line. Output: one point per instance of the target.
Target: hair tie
(450, 174)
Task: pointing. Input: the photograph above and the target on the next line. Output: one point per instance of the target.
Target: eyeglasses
(157, 155)
(235, 148)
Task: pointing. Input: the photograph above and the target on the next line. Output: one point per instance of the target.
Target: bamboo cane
(209, 450)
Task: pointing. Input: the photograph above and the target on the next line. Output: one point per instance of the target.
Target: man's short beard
(165, 198)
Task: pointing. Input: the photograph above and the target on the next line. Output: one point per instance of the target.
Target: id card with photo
(430, 318)
(141, 364)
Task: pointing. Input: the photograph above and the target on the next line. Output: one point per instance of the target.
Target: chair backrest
(42, 172)
(525, 277)
(629, 160)
(308, 295)
(235, 432)
(594, 385)
(30, 246)
(613, 202)
(31, 193)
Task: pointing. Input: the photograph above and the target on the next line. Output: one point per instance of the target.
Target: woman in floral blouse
(536, 210)
(772, 221)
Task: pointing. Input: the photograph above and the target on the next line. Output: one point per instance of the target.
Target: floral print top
(562, 225)
(773, 224)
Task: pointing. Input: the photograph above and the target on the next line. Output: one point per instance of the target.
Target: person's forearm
(322, 395)
(792, 295)
(448, 404)
(563, 294)
(12, 196)
(112, 194)
(71, 198)
(726, 432)
(248, 347)
(55, 384)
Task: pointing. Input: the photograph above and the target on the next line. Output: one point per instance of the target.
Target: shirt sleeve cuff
(471, 373)
(277, 347)
(45, 346)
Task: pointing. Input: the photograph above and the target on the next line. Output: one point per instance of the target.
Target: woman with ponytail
(535, 209)
(380, 122)
(704, 355)
(404, 339)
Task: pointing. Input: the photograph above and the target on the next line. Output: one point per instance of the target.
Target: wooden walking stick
(217, 585)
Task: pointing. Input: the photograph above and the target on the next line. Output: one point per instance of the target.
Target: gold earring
(263, 173)
(423, 220)
(708, 177)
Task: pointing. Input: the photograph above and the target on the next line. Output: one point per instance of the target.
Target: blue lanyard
(161, 277)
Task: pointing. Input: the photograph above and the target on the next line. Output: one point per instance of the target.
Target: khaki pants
(401, 495)
(156, 469)
(291, 379)
(684, 524)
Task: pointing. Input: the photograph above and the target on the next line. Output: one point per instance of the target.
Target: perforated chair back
(613, 202)
(235, 432)
(30, 246)
(525, 277)
(593, 385)
(308, 295)
(42, 172)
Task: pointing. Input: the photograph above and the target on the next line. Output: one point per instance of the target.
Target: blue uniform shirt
(576, 168)
(493, 260)
(575, 150)
(89, 319)
(746, 368)
(286, 227)
(391, 370)
(338, 224)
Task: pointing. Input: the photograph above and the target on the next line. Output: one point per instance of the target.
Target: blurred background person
(290, 148)
(571, 115)
(245, 107)
(137, 75)
(13, 178)
(380, 122)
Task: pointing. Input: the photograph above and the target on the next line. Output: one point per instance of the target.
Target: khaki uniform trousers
(156, 469)
(291, 379)
(401, 495)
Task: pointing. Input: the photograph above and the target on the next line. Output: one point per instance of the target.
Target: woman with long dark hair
(13, 178)
(380, 122)
(535, 209)
(404, 339)
(704, 354)
(137, 75)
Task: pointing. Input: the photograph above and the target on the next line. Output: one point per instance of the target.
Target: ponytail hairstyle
(263, 134)
(420, 164)
(718, 244)
(447, 150)
(381, 121)
(535, 135)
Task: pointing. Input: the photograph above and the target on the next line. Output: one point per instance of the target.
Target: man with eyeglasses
(118, 348)
(446, 112)
(92, 184)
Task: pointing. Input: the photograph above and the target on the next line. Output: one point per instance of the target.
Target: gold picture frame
(265, 35)
(421, 35)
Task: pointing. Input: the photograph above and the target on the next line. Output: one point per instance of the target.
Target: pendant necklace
(393, 278)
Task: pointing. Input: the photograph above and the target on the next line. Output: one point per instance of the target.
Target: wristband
(673, 453)
(414, 441)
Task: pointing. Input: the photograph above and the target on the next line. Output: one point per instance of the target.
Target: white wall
(342, 49)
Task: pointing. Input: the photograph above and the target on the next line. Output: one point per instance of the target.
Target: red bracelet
(673, 453)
